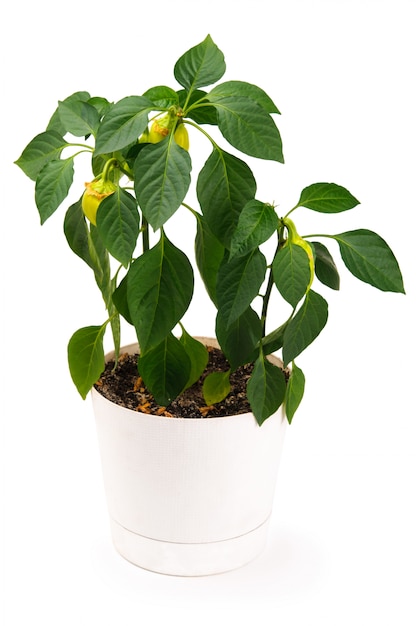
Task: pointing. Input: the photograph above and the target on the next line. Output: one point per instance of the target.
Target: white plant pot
(187, 497)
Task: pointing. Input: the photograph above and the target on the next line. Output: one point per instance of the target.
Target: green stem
(195, 213)
(80, 145)
(291, 211)
(318, 235)
(145, 234)
(204, 132)
(107, 168)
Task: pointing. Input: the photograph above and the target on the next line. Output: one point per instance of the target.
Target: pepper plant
(141, 174)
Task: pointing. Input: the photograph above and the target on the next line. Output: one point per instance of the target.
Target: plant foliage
(141, 169)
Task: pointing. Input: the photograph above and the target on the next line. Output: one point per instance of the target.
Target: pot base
(189, 559)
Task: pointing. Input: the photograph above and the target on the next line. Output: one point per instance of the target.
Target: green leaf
(198, 356)
(369, 258)
(159, 290)
(79, 118)
(294, 393)
(162, 178)
(76, 232)
(246, 90)
(216, 387)
(55, 123)
(52, 186)
(225, 185)
(292, 273)
(200, 66)
(101, 105)
(240, 340)
(325, 268)
(239, 282)
(305, 326)
(165, 369)
(266, 389)
(86, 357)
(256, 224)
(123, 124)
(209, 253)
(42, 149)
(162, 97)
(327, 198)
(118, 224)
(247, 127)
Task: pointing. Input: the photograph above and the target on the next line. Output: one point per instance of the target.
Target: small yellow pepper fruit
(161, 128)
(94, 194)
(181, 136)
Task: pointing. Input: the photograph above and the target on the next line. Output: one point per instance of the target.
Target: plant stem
(190, 209)
(318, 235)
(107, 168)
(215, 145)
(145, 234)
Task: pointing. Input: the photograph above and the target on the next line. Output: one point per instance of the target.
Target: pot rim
(132, 348)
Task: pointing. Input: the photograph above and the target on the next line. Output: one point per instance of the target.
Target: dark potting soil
(125, 387)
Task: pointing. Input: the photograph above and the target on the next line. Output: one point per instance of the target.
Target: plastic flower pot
(187, 497)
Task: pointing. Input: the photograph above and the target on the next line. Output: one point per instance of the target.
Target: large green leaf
(159, 290)
(370, 259)
(118, 224)
(165, 369)
(256, 224)
(225, 185)
(78, 117)
(162, 178)
(200, 66)
(123, 124)
(209, 253)
(266, 389)
(327, 198)
(239, 282)
(76, 232)
(305, 326)
(240, 339)
(248, 127)
(325, 268)
(291, 272)
(86, 357)
(43, 148)
(246, 90)
(294, 393)
(52, 186)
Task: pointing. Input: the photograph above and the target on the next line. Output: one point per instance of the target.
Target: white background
(342, 542)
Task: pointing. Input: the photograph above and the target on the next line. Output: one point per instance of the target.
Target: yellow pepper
(181, 136)
(161, 128)
(94, 194)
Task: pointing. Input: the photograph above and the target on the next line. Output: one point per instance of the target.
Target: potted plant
(182, 492)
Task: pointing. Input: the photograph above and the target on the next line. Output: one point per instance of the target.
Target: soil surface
(125, 387)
